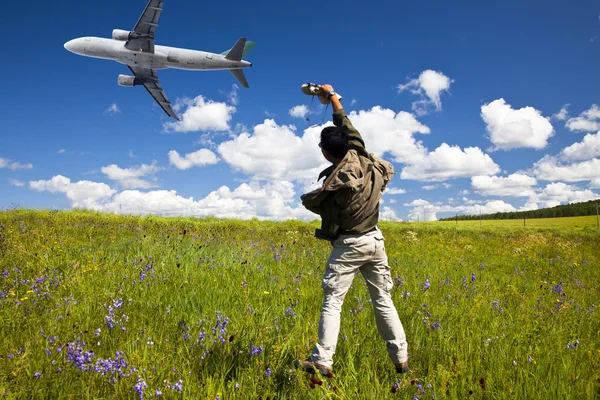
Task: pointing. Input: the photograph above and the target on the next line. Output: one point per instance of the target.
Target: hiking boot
(402, 368)
(312, 367)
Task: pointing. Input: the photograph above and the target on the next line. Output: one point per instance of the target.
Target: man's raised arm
(340, 119)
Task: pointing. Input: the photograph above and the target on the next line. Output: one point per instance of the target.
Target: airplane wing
(149, 79)
(143, 38)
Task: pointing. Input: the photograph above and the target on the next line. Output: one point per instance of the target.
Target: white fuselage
(163, 57)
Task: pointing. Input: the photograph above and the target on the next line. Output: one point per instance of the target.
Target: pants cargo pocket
(389, 284)
(329, 280)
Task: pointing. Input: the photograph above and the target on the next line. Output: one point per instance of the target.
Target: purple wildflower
(426, 284)
(290, 312)
(255, 351)
(79, 358)
(139, 387)
(473, 277)
(37, 374)
(117, 366)
(268, 372)
(157, 393)
(110, 322)
(178, 386)
(436, 325)
(495, 304)
(558, 288)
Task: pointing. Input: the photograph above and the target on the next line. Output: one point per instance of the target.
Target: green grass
(64, 269)
(589, 222)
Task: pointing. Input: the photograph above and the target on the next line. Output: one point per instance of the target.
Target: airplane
(137, 50)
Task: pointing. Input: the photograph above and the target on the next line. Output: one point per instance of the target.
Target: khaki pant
(364, 253)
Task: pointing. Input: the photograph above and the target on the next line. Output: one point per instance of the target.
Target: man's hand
(335, 102)
(326, 89)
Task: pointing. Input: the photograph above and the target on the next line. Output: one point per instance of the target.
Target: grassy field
(581, 223)
(106, 306)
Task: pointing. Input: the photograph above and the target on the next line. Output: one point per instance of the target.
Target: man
(348, 203)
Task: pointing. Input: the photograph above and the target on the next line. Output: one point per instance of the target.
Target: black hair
(335, 140)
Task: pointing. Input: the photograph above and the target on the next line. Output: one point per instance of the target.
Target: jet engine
(119, 34)
(129, 81)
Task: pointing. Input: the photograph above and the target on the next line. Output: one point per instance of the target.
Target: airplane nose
(70, 45)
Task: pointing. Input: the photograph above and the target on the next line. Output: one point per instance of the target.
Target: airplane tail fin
(247, 47)
(237, 51)
(240, 76)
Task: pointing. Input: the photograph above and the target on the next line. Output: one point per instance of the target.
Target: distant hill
(568, 210)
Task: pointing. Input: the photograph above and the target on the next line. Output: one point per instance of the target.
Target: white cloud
(112, 109)
(588, 121)
(595, 184)
(234, 96)
(130, 154)
(300, 111)
(392, 191)
(556, 193)
(274, 200)
(515, 185)
(385, 131)
(275, 152)
(511, 129)
(429, 85)
(563, 114)
(447, 162)
(353, 102)
(83, 194)
(584, 150)
(197, 159)
(549, 168)
(201, 115)
(16, 182)
(471, 201)
(131, 178)
(491, 207)
(446, 185)
(205, 140)
(423, 210)
(429, 187)
(388, 214)
(14, 166)
(272, 151)
(61, 151)
(580, 124)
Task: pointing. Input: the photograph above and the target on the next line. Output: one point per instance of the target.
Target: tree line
(567, 210)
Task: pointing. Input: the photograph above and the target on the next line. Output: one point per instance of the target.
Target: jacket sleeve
(340, 119)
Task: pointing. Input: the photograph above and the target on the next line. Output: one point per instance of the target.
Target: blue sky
(425, 80)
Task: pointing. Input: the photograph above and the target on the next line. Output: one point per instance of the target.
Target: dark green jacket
(348, 201)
